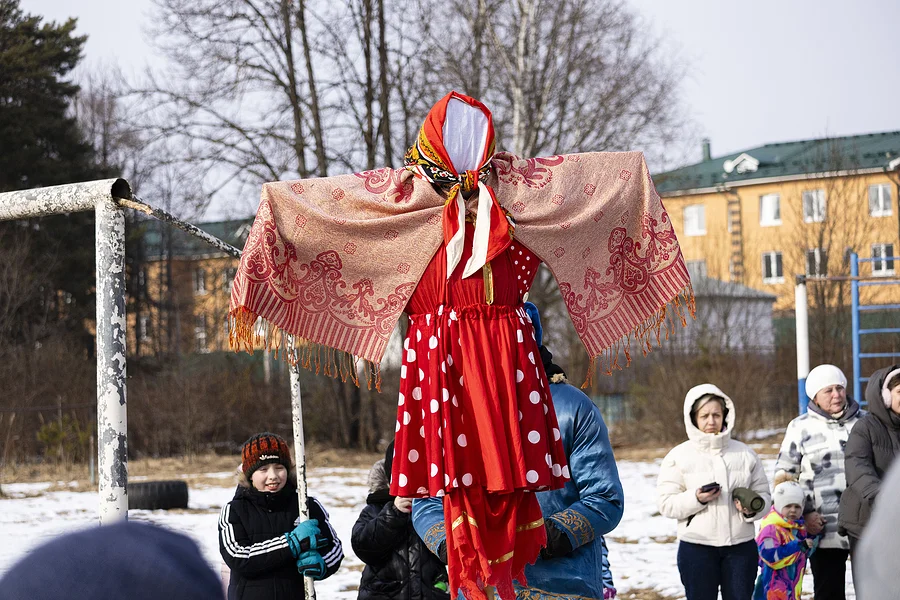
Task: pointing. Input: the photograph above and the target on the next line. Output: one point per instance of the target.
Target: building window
(227, 277)
(696, 268)
(769, 210)
(816, 262)
(885, 264)
(772, 268)
(199, 281)
(813, 206)
(880, 200)
(200, 334)
(695, 219)
(144, 328)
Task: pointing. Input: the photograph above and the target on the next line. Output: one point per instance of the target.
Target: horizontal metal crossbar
(68, 198)
(881, 282)
(880, 307)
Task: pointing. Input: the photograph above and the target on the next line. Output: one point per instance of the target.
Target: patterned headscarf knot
(430, 160)
(468, 180)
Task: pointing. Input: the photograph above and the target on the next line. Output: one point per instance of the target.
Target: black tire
(157, 495)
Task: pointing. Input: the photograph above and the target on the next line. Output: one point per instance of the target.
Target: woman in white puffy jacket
(716, 534)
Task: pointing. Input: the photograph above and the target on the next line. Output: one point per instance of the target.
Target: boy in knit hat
(268, 551)
(783, 543)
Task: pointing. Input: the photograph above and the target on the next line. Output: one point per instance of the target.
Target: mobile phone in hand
(709, 487)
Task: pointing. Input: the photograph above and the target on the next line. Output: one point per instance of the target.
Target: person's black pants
(829, 569)
(704, 569)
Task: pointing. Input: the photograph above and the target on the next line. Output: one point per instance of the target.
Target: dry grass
(193, 469)
(659, 539)
(197, 468)
(643, 594)
(664, 539)
(622, 540)
(639, 453)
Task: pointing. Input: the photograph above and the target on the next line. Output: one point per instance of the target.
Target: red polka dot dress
(475, 422)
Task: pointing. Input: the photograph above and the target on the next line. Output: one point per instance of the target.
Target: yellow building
(762, 216)
(181, 290)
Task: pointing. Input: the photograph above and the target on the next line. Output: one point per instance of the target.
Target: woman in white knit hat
(813, 451)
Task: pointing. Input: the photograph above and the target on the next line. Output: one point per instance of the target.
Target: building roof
(708, 287)
(873, 151)
(187, 246)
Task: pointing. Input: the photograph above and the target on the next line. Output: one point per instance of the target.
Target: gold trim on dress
(531, 525)
(458, 521)
(503, 558)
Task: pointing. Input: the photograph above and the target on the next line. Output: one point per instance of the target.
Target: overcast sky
(758, 71)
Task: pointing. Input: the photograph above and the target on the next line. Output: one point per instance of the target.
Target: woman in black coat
(871, 448)
(398, 563)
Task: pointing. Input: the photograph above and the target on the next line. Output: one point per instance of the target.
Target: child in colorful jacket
(783, 543)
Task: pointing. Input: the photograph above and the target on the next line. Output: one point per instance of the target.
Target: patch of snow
(761, 434)
(642, 549)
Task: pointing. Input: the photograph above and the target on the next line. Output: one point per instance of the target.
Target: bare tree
(22, 290)
(564, 76)
(830, 215)
(240, 94)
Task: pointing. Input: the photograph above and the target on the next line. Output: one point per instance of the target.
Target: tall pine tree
(41, 145)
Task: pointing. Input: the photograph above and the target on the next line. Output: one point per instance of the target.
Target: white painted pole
(300, 460)
(801, 317)
(71, 197)
(112, 422)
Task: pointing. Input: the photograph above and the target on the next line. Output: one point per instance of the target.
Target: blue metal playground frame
(857, 308)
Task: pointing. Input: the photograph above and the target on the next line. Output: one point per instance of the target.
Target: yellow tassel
(488, 274)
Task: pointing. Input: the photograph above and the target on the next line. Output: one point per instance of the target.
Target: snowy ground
(642, 548)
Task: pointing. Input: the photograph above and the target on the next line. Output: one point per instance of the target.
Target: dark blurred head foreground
(125, 560)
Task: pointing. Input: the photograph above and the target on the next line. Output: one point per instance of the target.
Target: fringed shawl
(332, 262)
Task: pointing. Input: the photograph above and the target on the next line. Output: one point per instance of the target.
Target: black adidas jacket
(252, 543)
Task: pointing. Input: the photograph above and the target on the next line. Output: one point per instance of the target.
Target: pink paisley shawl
(333, 261)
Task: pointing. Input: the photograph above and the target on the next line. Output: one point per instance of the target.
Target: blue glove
(311, 564)
(303, 537)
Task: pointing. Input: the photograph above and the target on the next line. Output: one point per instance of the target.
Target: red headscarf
(429, 159)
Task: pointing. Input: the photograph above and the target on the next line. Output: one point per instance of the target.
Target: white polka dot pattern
(469, 364)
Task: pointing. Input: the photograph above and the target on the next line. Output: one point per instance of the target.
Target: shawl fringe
(248, 331)
(659, 326)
